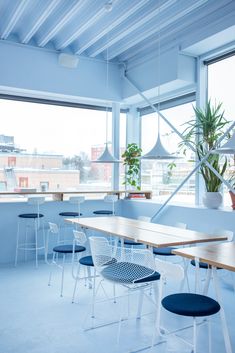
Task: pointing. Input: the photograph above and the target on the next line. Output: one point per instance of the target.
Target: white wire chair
(131, 268)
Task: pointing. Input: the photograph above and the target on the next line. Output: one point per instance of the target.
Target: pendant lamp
(158, 151)
(227, 148)
(106, 156)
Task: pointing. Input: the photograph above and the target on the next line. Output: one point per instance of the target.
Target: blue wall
(197, 218)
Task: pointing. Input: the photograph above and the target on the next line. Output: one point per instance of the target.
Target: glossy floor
(35, 319)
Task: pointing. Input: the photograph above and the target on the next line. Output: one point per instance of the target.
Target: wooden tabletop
(151, 234)
(218, 255)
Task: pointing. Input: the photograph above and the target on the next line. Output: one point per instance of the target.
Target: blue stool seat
(203, 265)
(31, 215)
(128, 272)
(86, 261)
(68, 249)
(189, 304)
(131, 243)
(103, 212)
(69, 214)
(164, 251)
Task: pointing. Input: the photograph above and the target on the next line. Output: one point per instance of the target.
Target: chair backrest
(80, 238)
(36, 200)
(110, 198)
(76, 199)
(181, 225)
(144, 219)
(169, 270)
(53, 228)
(228, 233)
(105, 254)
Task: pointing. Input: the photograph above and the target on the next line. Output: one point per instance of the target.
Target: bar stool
(31, 220)
(74, 200)
(109, 199)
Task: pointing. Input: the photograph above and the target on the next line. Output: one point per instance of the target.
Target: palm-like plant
(203, 133)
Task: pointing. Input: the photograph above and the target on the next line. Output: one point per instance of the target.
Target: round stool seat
(103, 212)
(131, 243)
(70, 214)
(189, 304)
(86, 261)
(31, 215)
(127, 272)
(68, 249)
(164, 251)
(203, 265)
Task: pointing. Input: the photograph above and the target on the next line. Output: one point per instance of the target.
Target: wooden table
(151, 234)
(216, 255)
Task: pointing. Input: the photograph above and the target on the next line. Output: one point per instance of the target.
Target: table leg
(227, 341)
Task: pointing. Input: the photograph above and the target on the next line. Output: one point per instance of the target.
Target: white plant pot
(212, 199)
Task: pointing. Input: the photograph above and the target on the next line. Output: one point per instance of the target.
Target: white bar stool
(31, 220)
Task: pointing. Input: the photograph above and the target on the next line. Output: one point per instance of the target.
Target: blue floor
(35, 319)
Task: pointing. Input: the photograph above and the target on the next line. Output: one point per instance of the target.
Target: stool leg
(36, 241)
(17, 243)
(62, 277)
(209, 336)
(53, 261)
(89, 277)
(194, 335)
(76, 282)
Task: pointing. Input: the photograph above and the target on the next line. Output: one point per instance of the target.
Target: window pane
(122, 148)
(163, 176)
(47, 147)
(221, 76)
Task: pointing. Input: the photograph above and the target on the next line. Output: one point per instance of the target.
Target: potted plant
(203, 133)
(131, 159)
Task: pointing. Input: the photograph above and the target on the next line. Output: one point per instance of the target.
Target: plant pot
(212, 199)
(232, 195)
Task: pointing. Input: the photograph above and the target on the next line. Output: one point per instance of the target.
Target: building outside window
(41, 142)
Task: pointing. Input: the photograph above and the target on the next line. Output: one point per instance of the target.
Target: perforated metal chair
(184, 304)
(133, 268)
(104, 212)
(80, 238)
(32, 222)
(62, 250)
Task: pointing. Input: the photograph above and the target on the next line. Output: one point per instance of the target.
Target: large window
(51, 147)
(221, 76)
(163, 176)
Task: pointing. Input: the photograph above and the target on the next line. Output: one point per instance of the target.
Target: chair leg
(53, 261)
(93, 296)
(140, 305)
(62, 277)
(76, 282)
(209, 337)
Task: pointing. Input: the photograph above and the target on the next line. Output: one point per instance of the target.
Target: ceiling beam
(14, 17)
(133, 40)
(40, 20)
(110, 25)
(64, 19)
(129, 29)
(82, 28)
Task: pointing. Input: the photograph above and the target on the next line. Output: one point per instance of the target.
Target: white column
(133, 127)
(115, 143)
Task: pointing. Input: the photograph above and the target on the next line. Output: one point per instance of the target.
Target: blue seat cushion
(103, 212)
(131, 242)
(128, 272)
(86, 261)
(164, 251)
(203, 265)
(30, 215)
(69, 214)
(190, 304)
(68, 249)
